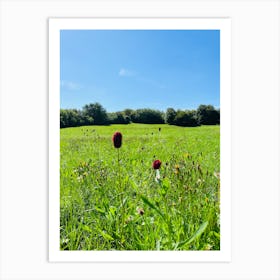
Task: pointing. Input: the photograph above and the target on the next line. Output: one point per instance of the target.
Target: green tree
(186, 118)
(96, 112)
(170, 115)
(208, 115)
(70, 118)
(148, 116)
(118, 118)
(128, 112)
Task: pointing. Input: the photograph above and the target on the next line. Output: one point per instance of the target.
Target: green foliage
(118, 118)
(201, 229)
(148, 116)
(208, 115)
(170, 115)
(128, 112)
(186, 118)
(96, 112)
(70, 118)
(100, 210)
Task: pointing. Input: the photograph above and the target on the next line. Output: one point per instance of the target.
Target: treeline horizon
(96, 114)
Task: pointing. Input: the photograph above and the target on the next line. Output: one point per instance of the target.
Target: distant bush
(208, 115)
(148, 116)
(170, 115)
(70, 118)
(97, 113)
(186, 118)
(118, 118)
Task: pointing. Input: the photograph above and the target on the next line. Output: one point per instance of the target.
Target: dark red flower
(117, 139)
(157, 164)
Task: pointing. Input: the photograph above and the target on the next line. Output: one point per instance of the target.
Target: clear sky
(137, 69)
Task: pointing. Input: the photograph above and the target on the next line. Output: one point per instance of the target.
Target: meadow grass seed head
(117, 139)
(217, 175)
(140, 211)
(156, 164)
(177, 169)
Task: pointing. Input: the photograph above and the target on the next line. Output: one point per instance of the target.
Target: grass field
(110, 198)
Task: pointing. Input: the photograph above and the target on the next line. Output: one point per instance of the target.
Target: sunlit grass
(179, 212)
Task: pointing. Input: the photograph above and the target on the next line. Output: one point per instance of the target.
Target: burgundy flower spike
(157, 164)
(117, 139)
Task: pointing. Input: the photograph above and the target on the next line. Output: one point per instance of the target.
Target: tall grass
(106, 206)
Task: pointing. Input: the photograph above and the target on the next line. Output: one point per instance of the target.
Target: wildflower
(156, 167)
(140, 211)
(117, 139)
(157, 164)
(64, 241)
(217, 175)
(129, 219)
(177, 169)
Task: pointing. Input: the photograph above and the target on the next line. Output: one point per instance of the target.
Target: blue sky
(137, 69)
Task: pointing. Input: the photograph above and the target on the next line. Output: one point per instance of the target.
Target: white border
(222, 24)
(255, 139)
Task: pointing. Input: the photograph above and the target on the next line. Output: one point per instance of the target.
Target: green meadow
(110, 198)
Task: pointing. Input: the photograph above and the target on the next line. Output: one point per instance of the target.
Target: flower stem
(122, 198)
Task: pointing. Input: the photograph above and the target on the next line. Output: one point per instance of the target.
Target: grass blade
(146, 201)
(105, 235)
(201, 229)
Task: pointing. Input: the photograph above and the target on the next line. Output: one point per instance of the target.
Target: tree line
(95, 114)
